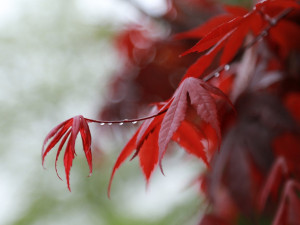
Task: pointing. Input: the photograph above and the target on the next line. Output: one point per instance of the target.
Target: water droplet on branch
(226, 67)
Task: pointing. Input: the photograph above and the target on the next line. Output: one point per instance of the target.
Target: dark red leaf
(289, 208)
(292, 102)
(287, 146)
(173, 117)
(200, 99)
(217, 91)
(281, 35)
(278, 171)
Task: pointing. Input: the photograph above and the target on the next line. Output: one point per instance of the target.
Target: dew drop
(264, 33)
(217, 74)
(226, 67)
(121, 124)
(109, 124)
(102, 124)
(273, 21)
(134, 122)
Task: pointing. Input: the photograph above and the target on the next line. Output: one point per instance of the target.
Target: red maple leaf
(231, 34)
(152, 138)
(201, 31)
(196, 93)
(208, 26)
(277, 173)
(69, 129)
(289, 208)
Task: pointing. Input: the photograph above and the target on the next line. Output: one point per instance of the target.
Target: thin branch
(272, 22)
(121, 122)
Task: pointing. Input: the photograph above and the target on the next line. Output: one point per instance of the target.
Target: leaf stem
(121, 122)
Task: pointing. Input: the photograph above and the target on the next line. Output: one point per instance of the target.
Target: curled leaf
(68, 130)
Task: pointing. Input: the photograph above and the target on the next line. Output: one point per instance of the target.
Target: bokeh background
(56, 59)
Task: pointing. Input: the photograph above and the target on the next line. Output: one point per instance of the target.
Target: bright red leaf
(148, 154)
(69, 129)
(151, 139)
(189, 137)
(215, 35)
(198, 94)
(230, 35)
(281, 36)
(202, 30)
(251, 23)
(145, 144)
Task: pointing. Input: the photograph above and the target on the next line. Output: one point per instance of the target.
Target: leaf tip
(160, 167)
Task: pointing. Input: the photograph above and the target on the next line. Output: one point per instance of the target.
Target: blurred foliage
(245, 3)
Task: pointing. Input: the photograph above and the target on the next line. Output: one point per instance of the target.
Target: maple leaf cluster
(235, 86)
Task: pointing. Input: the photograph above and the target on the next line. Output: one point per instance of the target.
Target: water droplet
(102, 124)
(134, 122)
(109, 124)
(121, 124)
(217, 74)
(226, 67)
(273, 21)
(264, 33)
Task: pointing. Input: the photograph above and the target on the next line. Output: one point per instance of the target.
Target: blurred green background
(56, 57)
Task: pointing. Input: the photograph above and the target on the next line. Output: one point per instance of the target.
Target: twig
(272, 22)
